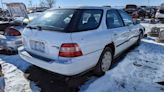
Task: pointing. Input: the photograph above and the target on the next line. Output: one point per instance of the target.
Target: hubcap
(106, 61)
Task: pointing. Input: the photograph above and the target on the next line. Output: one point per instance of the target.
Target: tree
(42, 3)
(48, 3)
(30, 3)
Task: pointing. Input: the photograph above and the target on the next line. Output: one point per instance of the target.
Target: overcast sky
(93, 2)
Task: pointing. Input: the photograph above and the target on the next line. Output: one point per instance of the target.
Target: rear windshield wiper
(31, 27)
(35, 27)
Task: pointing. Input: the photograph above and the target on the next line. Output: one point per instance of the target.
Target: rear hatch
(45, 34)
(45, 43)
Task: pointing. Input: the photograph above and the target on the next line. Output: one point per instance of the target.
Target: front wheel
(104, 62)
(139, 39)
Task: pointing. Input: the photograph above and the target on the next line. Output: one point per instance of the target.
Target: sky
(62, 3)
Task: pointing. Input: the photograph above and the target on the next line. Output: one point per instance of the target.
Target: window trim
(118, 16)
(123, 19)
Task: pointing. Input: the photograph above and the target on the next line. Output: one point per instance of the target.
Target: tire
(139, 39)
(104, 65)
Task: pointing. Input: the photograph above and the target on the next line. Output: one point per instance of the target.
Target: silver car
(10, 39)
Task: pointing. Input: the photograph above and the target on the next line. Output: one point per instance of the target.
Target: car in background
(72, 41)
(146, 12)
(37, 9)
(10, 38)
(132, 10)
(160, 13)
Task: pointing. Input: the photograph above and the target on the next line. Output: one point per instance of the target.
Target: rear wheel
(105, 62)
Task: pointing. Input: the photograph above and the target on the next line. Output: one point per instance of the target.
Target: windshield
(54, 20)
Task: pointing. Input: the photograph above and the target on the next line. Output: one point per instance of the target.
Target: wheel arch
(112, 46)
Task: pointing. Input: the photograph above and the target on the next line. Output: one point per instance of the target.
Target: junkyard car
(132, 10)
(160, 13)
(70, 41)
(10, 38)
(10, 31)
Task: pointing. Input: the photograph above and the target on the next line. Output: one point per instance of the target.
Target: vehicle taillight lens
(12, 32)
(70, 50)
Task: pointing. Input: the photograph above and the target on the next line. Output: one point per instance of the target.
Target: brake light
(12, 32)
(70, 50)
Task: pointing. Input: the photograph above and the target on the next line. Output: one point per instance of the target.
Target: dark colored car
(145, 11)
(131, 9)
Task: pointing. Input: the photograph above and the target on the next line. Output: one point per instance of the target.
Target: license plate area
(37, 46)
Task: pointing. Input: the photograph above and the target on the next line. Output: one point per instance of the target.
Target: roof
(83, 7)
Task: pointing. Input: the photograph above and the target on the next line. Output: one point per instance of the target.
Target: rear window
(56, 20)
(66, 20)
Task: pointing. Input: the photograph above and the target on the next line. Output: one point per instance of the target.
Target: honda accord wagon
(71, 41)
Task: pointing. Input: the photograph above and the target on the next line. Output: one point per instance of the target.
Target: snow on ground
(149, 26)
(137, 72)
(14, 80)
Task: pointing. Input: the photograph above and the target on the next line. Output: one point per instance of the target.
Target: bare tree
(42, 3)
(30, 3)
(48, 3)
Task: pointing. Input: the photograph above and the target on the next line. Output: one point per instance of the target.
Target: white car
(160, 12)
(71, 41)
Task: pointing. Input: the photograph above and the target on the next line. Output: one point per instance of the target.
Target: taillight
(12, 32)
(70, 50)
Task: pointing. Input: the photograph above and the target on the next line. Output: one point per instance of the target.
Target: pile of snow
(137, 72)
(149, 26)
(14, 79)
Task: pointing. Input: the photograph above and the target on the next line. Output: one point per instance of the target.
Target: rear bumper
(10, 43)
(75, 67)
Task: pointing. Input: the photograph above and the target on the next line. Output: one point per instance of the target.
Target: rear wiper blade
(35, 27)
(39, 28)
(31, 27)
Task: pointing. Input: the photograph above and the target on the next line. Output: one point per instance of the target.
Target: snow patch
(137, 72)
(14, 79)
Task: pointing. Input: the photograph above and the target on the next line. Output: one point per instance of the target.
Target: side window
(126, 18)
(90, 19)
(113, 20)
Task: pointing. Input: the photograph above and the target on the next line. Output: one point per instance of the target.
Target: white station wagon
(71, 41)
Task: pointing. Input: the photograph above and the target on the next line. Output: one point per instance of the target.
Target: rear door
(116, 26)
(88, 30)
